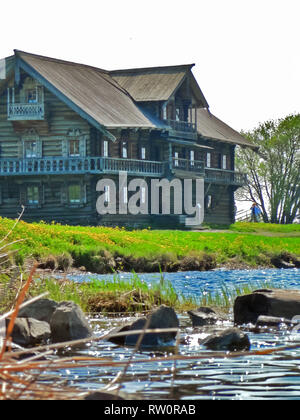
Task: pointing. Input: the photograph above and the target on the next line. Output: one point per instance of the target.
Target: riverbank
(106, 250)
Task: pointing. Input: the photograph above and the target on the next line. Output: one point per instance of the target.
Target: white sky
(247, 52)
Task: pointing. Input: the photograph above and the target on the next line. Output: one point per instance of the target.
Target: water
(274, 376)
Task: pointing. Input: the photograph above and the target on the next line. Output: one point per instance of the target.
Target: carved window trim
(31, 136)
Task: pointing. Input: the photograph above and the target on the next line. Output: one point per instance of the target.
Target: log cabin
(64, 126)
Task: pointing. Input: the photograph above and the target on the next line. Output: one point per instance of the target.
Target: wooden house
(64, 126)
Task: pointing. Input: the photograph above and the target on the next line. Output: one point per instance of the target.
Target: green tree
(274, 169)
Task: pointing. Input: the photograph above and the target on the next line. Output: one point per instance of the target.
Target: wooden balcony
(182, 129)
(226, 177)
(134, 167)
(79, 165)
(25, 112)
(187, 165)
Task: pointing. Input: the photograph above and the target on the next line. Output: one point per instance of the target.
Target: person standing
(255, 213)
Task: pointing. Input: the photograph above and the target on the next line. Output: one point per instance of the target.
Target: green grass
(104, 250)
(118, 295)
(266, 228)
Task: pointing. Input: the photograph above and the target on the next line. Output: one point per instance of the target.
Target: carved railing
(182, 129)
(224, 176)
(188, 165)
(26, 111)
(65, 165)
(60, 165)
(181, 125)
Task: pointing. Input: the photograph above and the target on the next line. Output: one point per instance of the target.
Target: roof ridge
(58, 60)
(141, 69)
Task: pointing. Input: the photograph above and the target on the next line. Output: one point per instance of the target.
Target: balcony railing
(188, 165)
(60, 165)
(183, 129)
(224, 176)
(181, 125)
(96, 165)
(26, 111)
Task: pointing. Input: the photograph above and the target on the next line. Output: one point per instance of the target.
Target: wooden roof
(157, 83)
(110, 99)
(93, 90)
(211, 127)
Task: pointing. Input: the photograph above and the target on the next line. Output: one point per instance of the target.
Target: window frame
(208, 160)
(105, 152)
(33, 203)
(73, 141)
(74, 202)
(26, 149)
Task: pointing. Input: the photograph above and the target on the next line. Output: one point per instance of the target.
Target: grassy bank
(118, 295)
(104, 250)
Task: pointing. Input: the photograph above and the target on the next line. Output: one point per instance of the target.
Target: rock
(284, 264)
(100, 396)
(203, 316)
(42, 310)
(272, 302)
(29, 332)
(119, 340)
(163, 317)
(231, 339)
(69, 323)
(273, 321)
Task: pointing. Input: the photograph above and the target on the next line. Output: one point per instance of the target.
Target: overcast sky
(246, 52)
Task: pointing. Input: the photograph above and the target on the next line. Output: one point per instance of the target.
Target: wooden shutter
(39, 146)
(65, 147)
(82, 146)
(20, 149)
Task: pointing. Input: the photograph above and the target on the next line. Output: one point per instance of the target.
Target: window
(164, 113)
(208, 159)
(32, 195)
(224, 162)
(192, 157)
(30, 149)
(143, 153)
(176, 161)
(74, 193)
(74, 147)
(177, 114)
(124, 150)
(105, 148)
(32, 96)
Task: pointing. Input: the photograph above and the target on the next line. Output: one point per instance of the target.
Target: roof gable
(89, 89)
(157, 83)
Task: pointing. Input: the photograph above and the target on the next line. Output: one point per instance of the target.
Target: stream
(273, 376)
